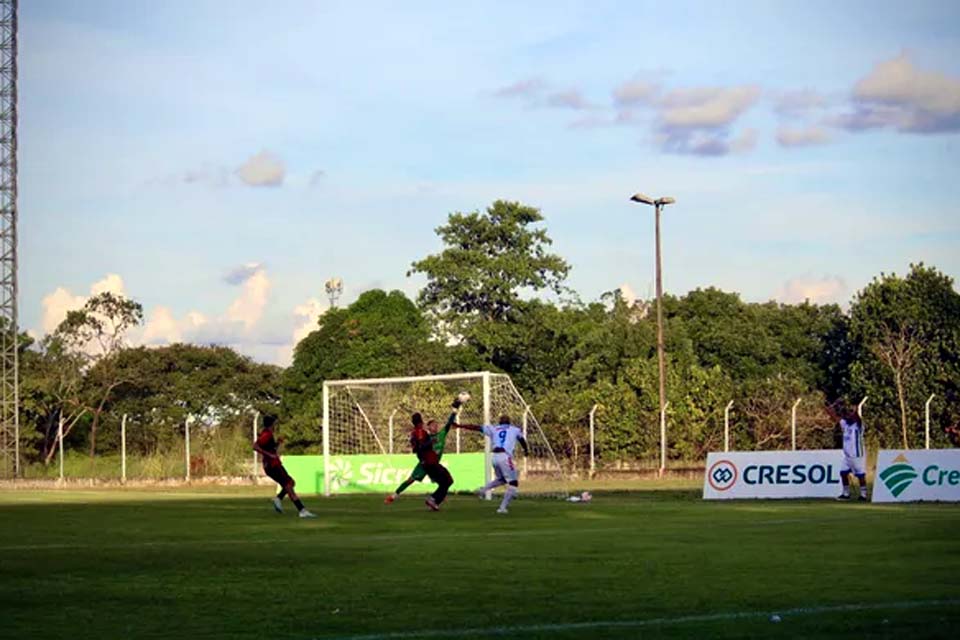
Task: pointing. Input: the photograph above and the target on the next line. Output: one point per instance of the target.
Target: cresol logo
(898, 476)
(722, 475)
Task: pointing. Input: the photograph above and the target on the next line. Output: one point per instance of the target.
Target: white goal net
(366, 425)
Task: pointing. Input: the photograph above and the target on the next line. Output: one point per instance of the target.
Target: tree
(96, 332)
(906, 330)
(488, 259)
(380, 335)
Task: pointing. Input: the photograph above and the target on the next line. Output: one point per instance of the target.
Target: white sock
(490, 486)
(508, 496)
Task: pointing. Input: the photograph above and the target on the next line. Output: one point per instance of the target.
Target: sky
(219, 161)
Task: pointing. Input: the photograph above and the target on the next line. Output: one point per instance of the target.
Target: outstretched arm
(523, 443)
(451, 420)
(832, 411)
(469, 427)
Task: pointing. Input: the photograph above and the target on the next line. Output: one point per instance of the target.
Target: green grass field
(218, 563)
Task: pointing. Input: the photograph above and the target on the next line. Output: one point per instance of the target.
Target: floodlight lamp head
(665, 200)
(641, 198)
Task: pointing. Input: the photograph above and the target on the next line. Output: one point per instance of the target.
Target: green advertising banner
(380, 473)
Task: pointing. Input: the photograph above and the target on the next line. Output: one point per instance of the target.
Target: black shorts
(438, 473)
(280, 476)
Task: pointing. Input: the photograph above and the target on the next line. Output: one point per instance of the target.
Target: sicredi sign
(379, 473)
(922, 474)
(773, 474)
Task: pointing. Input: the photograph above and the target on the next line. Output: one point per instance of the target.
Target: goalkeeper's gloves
(456, 404)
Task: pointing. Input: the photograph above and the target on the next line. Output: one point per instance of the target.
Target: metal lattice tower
(9, 357)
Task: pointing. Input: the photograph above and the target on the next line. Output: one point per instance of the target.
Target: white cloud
(569, 99)
(809, 136)
(161, 327)
(628, 294)
(307, 315)
(248, 308)
(264, 169)
(706, 107)
(635, 92)
(825, 290)
(60, 301)
(899, 95)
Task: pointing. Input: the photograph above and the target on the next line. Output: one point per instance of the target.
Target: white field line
(515, 631)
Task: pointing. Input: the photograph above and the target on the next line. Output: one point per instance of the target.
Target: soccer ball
(463, 396)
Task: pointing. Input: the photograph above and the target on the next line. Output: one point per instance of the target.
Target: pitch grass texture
(655, 564)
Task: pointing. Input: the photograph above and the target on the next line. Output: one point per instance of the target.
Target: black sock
(282, 493)
(299, 504)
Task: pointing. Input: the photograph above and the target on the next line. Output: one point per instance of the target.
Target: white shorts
(503, 467)
(853, 463)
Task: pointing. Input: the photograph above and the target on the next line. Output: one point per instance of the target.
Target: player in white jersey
(503, 438)
(854, 454)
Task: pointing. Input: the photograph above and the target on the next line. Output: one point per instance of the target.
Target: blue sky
(218, 161)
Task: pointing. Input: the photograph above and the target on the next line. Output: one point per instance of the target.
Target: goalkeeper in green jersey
(439, 438)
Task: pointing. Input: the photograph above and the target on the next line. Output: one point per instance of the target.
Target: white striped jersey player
(503, 439)
(854, 455)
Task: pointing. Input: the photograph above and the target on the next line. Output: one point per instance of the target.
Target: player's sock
(862, 479)
(490, 486)
(282, 493)
(508, 496)
(299, 504)
(403, 486)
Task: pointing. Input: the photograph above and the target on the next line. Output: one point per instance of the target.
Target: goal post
(366, 423)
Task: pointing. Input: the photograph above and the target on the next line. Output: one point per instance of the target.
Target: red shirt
(422, 444)
(267, 442)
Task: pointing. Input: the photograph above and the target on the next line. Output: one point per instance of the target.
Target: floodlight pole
(186, 445)
(926, 412)
(726, 426)
(663, 440)
(658, 204)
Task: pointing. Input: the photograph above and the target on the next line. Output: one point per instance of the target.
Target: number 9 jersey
(503, 437)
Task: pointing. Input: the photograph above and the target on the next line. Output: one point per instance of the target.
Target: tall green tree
(380, 335)
(489, 260)
(906, 332)
(96, 332)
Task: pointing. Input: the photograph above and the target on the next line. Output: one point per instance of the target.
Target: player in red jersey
(266, 446)
(421, 441)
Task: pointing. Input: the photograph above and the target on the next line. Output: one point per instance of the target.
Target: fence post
(593, 413)
(457, 421)
(726, 426)
(123, 450)
(663, 439)
(526, 410)
(256, 420)
(186, 444)
(926, 411)
(60, 445)
(390, 428)
(793, 425)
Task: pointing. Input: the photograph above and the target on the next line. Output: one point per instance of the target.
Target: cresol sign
(915, 475)
(773, 474)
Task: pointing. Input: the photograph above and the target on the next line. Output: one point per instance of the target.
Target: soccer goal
(366, 425)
